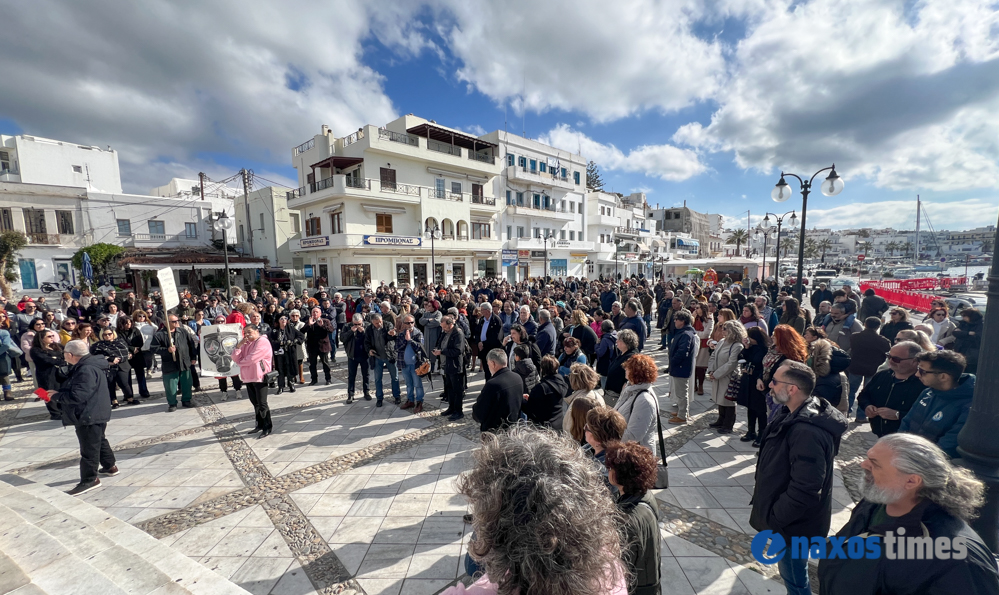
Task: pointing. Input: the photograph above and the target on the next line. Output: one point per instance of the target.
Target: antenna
(523, 104)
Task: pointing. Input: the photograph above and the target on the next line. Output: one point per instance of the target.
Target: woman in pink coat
(253, 355)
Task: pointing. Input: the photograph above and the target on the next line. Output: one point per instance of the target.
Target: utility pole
(246, 199)
(201, 181)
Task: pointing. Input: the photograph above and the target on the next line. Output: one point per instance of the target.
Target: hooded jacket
(682, 351)
(545, 407)
(939, 416)
(827, 362)
(794, 474)
(605, 352)
(642, 529)
(974, 574)
(84, 398)
(525, 368)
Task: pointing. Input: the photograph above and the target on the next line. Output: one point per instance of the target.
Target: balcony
(398, 137)
(531, 176)
(51, 239)
(339, 184)
(482, 203)
(551, 212)
(539, 244)
(305, 146)
(608, 220)
(443, 148)
(165, 239)
(633, 231)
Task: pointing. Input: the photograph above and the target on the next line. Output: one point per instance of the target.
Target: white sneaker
(225, 396)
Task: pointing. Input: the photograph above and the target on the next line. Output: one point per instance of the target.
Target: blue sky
(703, 103)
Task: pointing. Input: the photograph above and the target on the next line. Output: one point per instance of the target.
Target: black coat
(453, 348)
(830, 386)
(753, 371)
(47, 363)
(84, 398)
(587, 338)
(884, 391)
(794, 474)
(186, 349)
(498, 405)
(891, 329)
(546, 407)
(974, 574)
(682, 350)
(616, 378)
(493, 333)
(644, 541)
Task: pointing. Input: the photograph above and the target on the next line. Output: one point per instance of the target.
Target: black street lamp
(780, 221)
(548, 236)
(433, 230)
(977, 442)
(831, 186)
(617, 247)
(223, 223)
(765, 231)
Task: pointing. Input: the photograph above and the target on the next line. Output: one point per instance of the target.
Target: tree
(906, 248)
(738, 237)
(11, 243)
(593, 180)
(811, 248)
(892, 247)
(102, 257)
(824, 245)
(864, 233)
(866, 247)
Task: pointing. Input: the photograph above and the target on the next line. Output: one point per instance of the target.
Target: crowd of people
(567, 396)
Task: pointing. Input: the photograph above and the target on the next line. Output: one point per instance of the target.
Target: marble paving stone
(691, 497)
(386, 561)
(294, 582)
(328, 504)
(422, 586)
(259, 575)
(672, 579)
(681, 548)
(381, 586)
(356, 530)
(433, 566)
(400, 530)
(371, 505)
(442, 530)
(223, 566)
(241, 541)
(756, 583)
(710, 576)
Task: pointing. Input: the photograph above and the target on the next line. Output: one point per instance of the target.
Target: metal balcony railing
(478, 199)
(353, 138)
(481, 157)
(398, 137)
(322, 184)
(408, 189)
(443, 148)
(357, 183)
(43, 238)
(305, 146)
(297, 192)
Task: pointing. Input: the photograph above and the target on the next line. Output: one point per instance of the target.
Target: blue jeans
(393, 374)
(855, 380)
(648, 323)
(794, 571)
(414, 384)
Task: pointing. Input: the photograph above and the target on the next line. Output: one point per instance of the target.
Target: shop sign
(577, 258)
(393, 241)
(314, 242)
(510, 258)
(537, 253)
(557, 263)
(562, 243)
(308, 270)
(524, 253)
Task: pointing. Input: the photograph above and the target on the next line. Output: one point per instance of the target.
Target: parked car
(278, 276)
(841, 282)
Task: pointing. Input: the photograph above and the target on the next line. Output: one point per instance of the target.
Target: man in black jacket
(451, 345)
(891, 393)
(85, 402)
(177, 355)
(487, 333)
(498, 405)
(381, 348)
(353, 345)
(915, 502)
(317, 333)
(546, 333)
(627, 346)
(794, 474)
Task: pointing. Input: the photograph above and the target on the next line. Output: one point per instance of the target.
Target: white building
(544, 216)
(34, 160)
(265, 226)
(369, 201)
(624, 234)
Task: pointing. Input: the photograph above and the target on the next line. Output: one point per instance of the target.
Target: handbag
(270, 378)
(734, 385)
(662, 468)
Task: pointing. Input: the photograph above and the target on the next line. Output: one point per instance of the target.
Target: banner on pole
(168, 288)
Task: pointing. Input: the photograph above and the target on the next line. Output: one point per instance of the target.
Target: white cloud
(904, 94)
(962, 214)
(605, 59)
(665, 162)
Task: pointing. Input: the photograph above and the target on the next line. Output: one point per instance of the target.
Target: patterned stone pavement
(353, 498)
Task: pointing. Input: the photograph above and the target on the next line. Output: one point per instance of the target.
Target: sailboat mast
(919, 210)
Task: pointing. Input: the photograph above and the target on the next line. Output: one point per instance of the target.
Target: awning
(642, 246)
(338, 162)
(200, 266)
(657, 243)
(687, 242)
(333, 208)
(452, 137)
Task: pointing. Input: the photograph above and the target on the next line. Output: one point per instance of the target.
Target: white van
(823, 276)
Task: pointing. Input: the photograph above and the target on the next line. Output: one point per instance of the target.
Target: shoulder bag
(662, 469)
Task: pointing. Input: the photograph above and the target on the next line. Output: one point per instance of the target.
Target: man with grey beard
(917, 504)
(794, 474)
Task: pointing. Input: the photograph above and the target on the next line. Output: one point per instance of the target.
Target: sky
(702, 103)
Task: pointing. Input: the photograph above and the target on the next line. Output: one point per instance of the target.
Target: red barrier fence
(906, 296)
(929, 283)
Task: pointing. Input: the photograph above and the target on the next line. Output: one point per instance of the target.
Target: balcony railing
(481, 157)
(447, 236)
(149, 237)
(398, 137)
(351, 182)
(297, 192)
(478, 199)
(408, 189)
(322, 184)
(443, 148)
(353, 138)
(444, 195)
(43, 238)
(305, 146)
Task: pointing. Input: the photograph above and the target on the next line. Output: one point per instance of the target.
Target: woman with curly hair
(637, 402)
(787, 345)
(632, 470)
(543, 521)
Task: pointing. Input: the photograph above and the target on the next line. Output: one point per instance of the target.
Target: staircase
(51, 542)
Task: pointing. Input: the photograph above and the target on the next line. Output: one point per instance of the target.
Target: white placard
(217, 344)
(168, 288)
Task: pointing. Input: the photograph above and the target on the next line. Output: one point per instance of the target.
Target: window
(296, 222)
(520, 232)
(523, 162)
(388, 178)
(124, 227)
(543, 167)
(565, 173)
(355, 274)
(156, 227)
(262, 227)
(572, 207)
(78, 169)
(439, 188)
(310, 179)
(534, 164)
(537, 201)
(481, 231)
(4, 161)
(510, 159)
(477, 192)
(29, 276)
(383, 223)
(580, 234)
(561, 235)
(520, 199)
(509, 232)
(64, 219)
(336, 222)
(537, 233)
(509, 197)
(6, 220)
(191, 230)
(34, 221)
(313, 227)
(240, 235)
(562, 206)
(456, 188)
(575, 177)
(572, 235)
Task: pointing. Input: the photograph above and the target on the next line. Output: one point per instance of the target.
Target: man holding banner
(176, 347)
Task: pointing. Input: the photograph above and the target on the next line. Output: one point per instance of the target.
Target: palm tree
(891, 247)
(811, 248)
(738, 237)
(824, 245)
(906, 248)
(866, 247)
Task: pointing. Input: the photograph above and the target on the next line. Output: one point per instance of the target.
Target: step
(51, 542)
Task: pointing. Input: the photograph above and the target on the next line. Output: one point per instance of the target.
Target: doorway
(439, 273)
(420, 273)
(459, 273)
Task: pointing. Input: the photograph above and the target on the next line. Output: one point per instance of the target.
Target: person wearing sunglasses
(943, 406)
(176, 347)
(115, 350)
(889, 394)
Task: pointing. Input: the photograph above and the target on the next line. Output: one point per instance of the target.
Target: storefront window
(459, 273)
(402, 273)
(355, 274)
(439, 273)
(420, 273)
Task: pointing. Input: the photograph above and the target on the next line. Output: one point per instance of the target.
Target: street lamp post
(764, 231)
(223, 223)
(548, 236)
(780, 222)
(976, 443)
(617, 247)
(831, 186)
(432, 231)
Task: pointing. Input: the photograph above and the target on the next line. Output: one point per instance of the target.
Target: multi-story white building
(265, 227)
(544, 208)
(625, 241)
(30, 159)
(397, 203)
